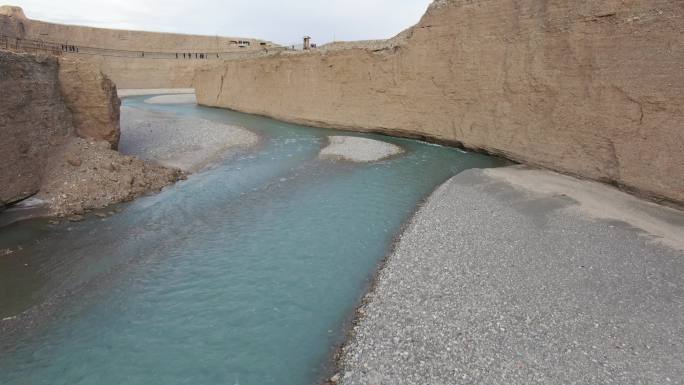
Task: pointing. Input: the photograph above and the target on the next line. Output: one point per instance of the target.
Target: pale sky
(281, 21)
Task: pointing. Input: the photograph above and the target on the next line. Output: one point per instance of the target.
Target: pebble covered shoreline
(493, 285)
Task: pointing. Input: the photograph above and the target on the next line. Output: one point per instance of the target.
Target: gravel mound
(89, 175)
(356, 149)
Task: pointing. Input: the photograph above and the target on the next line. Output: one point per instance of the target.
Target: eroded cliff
(92, 100)
(594, 89)
(59, 126)
(34, 121)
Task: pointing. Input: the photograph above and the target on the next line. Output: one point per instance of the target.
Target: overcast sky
(281, 21)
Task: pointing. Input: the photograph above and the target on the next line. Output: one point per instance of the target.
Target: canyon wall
(119, 53)
(138, 73)
(594, 89)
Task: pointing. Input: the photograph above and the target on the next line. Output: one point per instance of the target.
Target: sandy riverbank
(503, 278)
(355, 149)
(179, 141)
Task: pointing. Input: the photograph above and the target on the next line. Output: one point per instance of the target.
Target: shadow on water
(243, 274)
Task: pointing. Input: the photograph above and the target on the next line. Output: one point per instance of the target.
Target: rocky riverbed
(188, 143)
(88, 174)
(503, 278)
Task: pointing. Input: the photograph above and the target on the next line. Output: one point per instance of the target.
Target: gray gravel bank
(356, 149)
(490, 284)
(187, 143)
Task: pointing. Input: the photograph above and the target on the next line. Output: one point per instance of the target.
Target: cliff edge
(131, 59)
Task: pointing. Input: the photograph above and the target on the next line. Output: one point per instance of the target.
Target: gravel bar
(356, 149)
(491, 284)
(188, 143)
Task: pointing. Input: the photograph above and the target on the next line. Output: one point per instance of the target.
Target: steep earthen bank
(92, 99)
(117, 52)
(141, 73)
(34, 122)
(59, 121)
(594, 89)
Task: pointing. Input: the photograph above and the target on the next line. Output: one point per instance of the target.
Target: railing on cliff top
(39, 46)
(31, 46)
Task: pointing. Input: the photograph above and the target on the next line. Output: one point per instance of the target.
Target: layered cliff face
(34, 121)
(117, 53)
(59, 123)
(91, 97)
(137, 73)
(595, 89)
(119, 39)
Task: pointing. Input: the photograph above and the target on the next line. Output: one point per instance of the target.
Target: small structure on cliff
(13, 11)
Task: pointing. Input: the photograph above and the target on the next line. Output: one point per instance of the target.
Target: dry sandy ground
(178, 141)
(518, 276)
(355, 149)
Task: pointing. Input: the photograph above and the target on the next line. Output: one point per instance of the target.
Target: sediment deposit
(356, 149)
(594, 89)
(87, 174)
(177, 141)
(491, 284)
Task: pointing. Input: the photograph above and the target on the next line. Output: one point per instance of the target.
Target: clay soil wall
(594, 89)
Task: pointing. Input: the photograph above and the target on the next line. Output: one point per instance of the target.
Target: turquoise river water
(246, 273)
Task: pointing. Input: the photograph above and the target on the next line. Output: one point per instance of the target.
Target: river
(246, 273)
